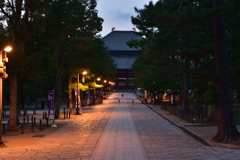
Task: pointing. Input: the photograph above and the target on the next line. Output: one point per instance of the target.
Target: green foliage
(211, 96)
(175, 34)
(76, 24)
(232, 22)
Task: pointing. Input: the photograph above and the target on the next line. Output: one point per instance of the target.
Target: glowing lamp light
(105, 81)
(84, 72)
(8, 49)
(98, 79)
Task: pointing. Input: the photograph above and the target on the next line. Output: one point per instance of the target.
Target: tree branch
(7, 15)
(11, 5)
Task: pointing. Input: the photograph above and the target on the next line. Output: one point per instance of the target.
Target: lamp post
(3, 75)
(88, 98)
(105, 81)
(98, 79)
(89, 95)
(77, 111)
(111, 84)
(109, 87)
(78, 95)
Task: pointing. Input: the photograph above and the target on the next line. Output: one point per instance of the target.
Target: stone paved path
(77, 140)
(120, 139)
(112, 131)
(162, 140)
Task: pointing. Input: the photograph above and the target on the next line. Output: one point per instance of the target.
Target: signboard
(51, 104)
(145, 94)
(149, 100)
(75, 97)
(88, 96)
(79, 100)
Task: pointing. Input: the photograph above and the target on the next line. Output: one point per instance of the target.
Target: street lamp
(84, 72)
(102, 87)
(109, 87)
(78, 95)
(102, 90)
(105, 81)
(111, 83)
(88, 99)
(3, 75)
(98, 79)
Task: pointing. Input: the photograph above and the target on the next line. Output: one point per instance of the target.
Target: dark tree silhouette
(227, 131)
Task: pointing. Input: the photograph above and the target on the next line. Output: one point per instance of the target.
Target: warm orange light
(165, 95)
(98, 79)
(105, 81)
(84, 72)
(8, 49)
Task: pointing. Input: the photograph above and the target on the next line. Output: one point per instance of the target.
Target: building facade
(123, 56)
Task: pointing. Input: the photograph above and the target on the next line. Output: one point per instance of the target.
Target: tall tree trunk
(20, 97)
(182, 90)
(58, 79)
(211, 112)
(237, 87)
(93, 103)
(13, 101)
(227, 131)
(70, 95)
(185, 65)
(57, 90)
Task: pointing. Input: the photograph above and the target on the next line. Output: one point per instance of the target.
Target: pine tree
(176, 36)
(20, 16)
(72, 24)
(232, 15)
(227, 131)
(178, 33)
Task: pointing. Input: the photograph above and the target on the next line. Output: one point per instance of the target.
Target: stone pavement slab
(205, 132)
(162, 140)
(112, 131)
(120, 139)
(76, 140)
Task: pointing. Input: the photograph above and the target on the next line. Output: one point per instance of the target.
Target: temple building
(123, 56)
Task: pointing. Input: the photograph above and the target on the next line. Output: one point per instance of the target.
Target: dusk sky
(117, 13)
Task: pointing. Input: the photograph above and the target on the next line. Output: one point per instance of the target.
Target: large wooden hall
(123, 55)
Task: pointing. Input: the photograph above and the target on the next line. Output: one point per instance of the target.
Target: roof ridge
(107, 35)
(122, 31)
(117, 31)
(116, 40)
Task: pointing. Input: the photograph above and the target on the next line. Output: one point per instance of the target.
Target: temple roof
(116, 40)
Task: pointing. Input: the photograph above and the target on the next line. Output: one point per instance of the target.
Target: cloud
(123, 16)
(117, 13)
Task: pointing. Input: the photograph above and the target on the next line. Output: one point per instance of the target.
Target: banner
(79, 100)
(88, 96)
(76, 97)
(51, 104)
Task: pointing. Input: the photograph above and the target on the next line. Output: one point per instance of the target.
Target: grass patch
(21, 116)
